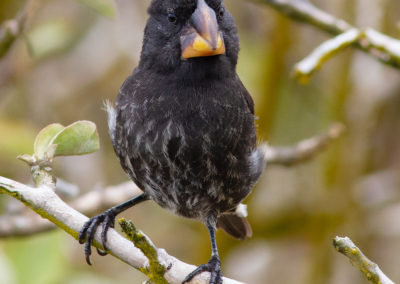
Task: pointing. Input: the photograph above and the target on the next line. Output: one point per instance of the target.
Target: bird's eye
(172, 17)
(221, 12)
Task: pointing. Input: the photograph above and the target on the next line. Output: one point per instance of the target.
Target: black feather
(184, 129)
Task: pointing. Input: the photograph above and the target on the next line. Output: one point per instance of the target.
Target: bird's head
(189, 36)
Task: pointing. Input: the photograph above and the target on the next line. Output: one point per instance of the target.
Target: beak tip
(194, 45)
(205, 39)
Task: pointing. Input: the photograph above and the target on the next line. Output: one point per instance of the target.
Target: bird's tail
(235, 223)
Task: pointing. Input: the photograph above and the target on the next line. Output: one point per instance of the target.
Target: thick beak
(203, 37)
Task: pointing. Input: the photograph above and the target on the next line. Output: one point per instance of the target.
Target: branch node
(41, 170)
(384, 48)
(305, 68)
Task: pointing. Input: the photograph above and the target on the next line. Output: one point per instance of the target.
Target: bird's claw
(86, 235)
(213, 266)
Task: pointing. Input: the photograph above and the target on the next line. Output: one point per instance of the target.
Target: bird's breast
(189, 151)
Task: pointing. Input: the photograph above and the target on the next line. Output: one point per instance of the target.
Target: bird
(183, 125)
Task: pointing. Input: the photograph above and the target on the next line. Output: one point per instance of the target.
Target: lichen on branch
(155, 270)
(370, 269)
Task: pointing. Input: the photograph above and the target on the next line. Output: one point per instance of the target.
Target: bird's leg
(88, 230)
(213, 265)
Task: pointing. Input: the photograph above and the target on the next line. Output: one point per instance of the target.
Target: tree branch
(378, 45)
(47, 204)
(303, 150)
(304, 11)
(370, 269)
(10, 30)
(306, 67)
(91, 203)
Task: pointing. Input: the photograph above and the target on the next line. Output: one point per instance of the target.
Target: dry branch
(303, 150)
(386, 49)
(370, 269)
(10, 30)
(28, 223)
(306, 67)
(46, 203)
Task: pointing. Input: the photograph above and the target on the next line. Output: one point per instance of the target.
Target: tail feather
(237, 227)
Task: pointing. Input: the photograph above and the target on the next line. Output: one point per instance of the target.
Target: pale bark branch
(370, 269)
(306, 67)
(380, 46)
(304, 11)
(47, 204)
(303, 150)
(10, 30)
(96, 201)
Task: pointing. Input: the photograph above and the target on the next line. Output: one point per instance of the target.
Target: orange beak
(203, 37)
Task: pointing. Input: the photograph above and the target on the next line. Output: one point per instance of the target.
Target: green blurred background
(76, 54)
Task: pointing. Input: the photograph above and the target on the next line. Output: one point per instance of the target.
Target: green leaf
(78, 138)
(103, 7)
(44, 139)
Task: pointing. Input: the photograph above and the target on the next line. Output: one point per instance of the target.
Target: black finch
(183, 125)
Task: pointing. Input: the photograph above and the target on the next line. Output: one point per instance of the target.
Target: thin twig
(384, 43)
(47, 204)
(304, 11)
(303, 150)
(10, 30)
(306, 67)
(27, 223)
(370, 269)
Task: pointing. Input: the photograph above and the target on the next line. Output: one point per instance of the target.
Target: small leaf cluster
(54, 140)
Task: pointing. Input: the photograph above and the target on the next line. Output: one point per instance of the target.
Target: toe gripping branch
(214, 264)
(88, 231)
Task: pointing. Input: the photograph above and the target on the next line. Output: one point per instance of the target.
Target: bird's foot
(213, 266)
(86, 235)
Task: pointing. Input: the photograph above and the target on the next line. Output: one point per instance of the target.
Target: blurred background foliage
(76, 54)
